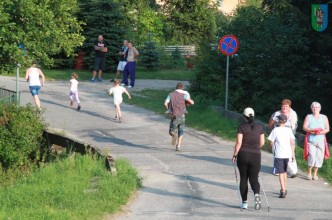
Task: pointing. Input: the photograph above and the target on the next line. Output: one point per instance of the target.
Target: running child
(74, 91)
(117, 91)
(284, 141)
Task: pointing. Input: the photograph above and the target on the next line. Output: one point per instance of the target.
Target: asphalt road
(196, 183)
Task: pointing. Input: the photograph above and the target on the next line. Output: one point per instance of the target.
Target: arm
(129, 97)
(262, 140)
(306, 126)
(135, 53)
(271, 123)
(292, 142)
(190, 101)
(166, 104)
(237, 146)
(98, 48)
(327, 126)
(42, 76)
(27, 75)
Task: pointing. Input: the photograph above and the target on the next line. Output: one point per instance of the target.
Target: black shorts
(99, 63)
(281, 165)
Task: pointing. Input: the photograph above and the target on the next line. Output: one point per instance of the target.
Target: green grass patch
(176, 74)
(78, 187)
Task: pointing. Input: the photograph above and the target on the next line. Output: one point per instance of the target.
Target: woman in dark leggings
(247, 154)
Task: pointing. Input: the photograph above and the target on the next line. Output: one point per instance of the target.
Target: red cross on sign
(228, 45)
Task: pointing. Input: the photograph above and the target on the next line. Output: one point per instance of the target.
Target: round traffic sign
(228, 45)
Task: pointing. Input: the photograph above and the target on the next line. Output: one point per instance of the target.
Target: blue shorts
(281, 165)
(34, 90)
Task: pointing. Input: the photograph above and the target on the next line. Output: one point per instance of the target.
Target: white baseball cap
(249, 112)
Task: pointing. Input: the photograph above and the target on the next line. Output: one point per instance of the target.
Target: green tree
(45, 28)
(143, 17)
(190, 21)
(150, 55)
(102, 17)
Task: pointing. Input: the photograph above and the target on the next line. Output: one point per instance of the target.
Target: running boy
(74, 91)
(284, 141)
(117, 91)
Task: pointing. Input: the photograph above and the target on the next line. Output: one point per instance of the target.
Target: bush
(21, 130)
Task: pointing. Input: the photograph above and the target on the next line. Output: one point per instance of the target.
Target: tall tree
(41, 28)
(190, 21)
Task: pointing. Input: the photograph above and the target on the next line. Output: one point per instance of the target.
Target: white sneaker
(122, 84)
(257, 202)
(129, 87)
(244, 205)
(177, 148)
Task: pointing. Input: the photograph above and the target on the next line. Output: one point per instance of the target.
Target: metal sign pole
(227, 73)
(17, 84)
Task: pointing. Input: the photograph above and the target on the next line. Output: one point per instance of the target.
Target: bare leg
(282, 180)
(94, 73)
(99, 73)
(309, 170)
(118, 111)
(37, 101)
(180, 140)
(315, 171)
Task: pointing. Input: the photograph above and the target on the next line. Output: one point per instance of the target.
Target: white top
(117, 93)
(291, 121)
(34, 77)
(281, 138)
(73, 85)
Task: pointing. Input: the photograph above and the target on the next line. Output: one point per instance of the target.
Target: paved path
(196, 183)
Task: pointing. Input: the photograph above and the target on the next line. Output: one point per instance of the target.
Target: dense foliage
(189, 21)
(21, 130)
(280, 56)
(42, 28)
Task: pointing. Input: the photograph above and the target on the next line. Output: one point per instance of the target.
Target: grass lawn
(177, 74)
(206, 119)
(78, 187)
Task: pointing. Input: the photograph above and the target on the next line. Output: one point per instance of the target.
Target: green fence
(7, 96)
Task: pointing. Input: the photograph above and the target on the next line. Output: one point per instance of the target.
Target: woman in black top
(247, 154)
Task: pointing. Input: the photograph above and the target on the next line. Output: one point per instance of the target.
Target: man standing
(123, 59)
(130, 68)
(177, 100)
(100, 51)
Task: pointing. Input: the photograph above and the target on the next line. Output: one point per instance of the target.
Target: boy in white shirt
(284, 141)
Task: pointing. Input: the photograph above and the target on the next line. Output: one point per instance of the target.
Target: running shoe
(244, 205)
(257, 202)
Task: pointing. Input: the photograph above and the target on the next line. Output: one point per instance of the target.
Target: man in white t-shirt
(284, 141)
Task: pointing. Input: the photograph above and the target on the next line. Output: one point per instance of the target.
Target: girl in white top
(117, 91)
(74, 91)
(33, 75)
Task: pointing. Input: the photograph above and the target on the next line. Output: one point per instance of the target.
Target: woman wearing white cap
(247, 154)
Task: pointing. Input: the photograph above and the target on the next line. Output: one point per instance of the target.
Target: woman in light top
(33, 75)
(117, 92)
(315, 149)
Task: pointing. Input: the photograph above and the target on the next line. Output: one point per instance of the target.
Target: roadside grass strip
(78, 187)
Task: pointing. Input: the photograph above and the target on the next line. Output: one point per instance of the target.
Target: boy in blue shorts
(284, 141)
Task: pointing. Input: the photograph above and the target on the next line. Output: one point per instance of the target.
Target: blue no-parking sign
(228, 45)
